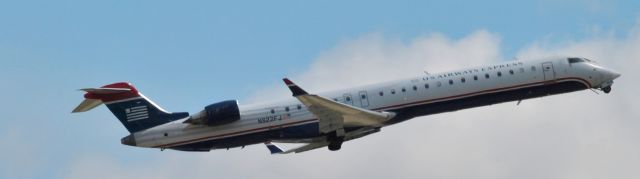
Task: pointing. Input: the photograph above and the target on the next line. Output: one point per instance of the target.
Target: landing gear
(335, 145)
(335, 141)
(607, 89)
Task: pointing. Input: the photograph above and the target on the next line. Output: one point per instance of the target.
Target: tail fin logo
(136, 113)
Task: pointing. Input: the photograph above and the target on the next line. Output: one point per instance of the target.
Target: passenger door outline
(364, 99)
(548, 71)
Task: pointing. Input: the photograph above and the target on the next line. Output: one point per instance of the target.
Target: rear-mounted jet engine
(217, 114)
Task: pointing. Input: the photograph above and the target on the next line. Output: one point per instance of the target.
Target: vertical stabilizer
(135, 111)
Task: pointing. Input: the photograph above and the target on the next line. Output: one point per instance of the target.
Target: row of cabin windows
(287, 109)
(463, 80)
(415, 88)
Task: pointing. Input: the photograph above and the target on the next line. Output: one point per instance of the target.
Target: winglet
(273, 148)
(295, 89)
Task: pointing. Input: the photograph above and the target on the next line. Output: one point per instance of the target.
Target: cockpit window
(576, 60)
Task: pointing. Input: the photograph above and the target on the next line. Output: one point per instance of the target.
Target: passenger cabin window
(426, 86)
(273, 111)
(486, 75)
(511, 72)
(521, 70)
(393, 91)
(463, 80)
(475, 77)
(299, 107)
(381, 93)
(363, 96)
(439, 84)
(404, 90)
(533, 68)
(450, 82)
(348, 98)
(499, 74)
(286, 109)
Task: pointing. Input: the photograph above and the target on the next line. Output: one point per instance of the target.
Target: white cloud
(19, 155)
(577, 135)
(373, 58)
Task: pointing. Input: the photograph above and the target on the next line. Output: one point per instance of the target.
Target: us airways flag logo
(136, 113)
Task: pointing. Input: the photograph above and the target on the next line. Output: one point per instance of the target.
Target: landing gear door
(549, 73)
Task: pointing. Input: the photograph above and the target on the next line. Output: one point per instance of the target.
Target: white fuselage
(389, 96)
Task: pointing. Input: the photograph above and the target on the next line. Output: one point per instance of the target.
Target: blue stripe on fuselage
(311, 130)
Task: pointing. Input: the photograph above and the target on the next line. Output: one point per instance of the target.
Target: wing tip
(274, 149)
(287, 81)
(295, 89)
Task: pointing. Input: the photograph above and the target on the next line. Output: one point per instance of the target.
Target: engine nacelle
(217, 114)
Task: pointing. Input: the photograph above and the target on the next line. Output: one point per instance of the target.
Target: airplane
(331, 118)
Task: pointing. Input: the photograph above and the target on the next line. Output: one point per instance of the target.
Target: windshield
(576, 60)
(579, 60)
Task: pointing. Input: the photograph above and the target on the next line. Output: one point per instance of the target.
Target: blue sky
(185, 55)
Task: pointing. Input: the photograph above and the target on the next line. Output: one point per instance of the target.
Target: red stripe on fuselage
(484, 92)
(385, 108)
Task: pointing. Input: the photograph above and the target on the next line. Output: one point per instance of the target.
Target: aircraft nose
(616, 75)
(612, 74)
(129, 140)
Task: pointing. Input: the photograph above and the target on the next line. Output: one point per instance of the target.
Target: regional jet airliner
(328, 119)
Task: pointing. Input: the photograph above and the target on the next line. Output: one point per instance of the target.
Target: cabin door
(364, 99)
(549, 73)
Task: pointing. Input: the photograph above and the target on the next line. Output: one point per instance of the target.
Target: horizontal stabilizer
(87, 105)
(105, 94)
(105, 90)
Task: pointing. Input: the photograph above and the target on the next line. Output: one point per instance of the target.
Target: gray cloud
(577, 135)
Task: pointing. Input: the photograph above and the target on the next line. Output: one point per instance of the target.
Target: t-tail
(134, 110)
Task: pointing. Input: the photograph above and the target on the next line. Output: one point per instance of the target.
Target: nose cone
(130, 140)
(616, 75)
(612, 74)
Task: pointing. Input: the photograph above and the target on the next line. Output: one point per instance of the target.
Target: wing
(334, 116)
(307, 147)
(274, 149)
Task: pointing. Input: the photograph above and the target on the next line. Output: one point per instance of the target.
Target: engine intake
(217, 114)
